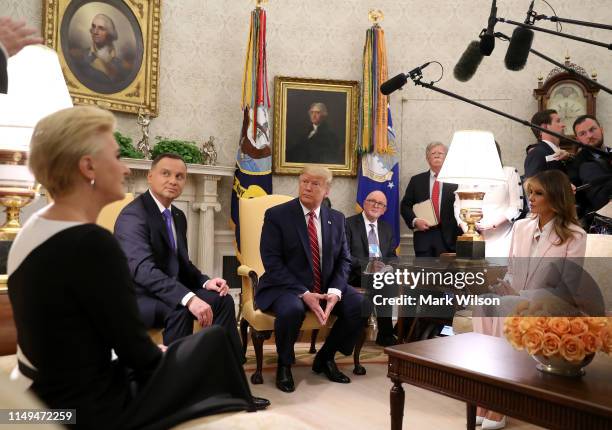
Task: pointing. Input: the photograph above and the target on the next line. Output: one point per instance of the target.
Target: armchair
(261, 324)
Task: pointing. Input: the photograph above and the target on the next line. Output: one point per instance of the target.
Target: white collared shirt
(317, 223)
(552, 157)
(162, 208)
(540, 236)
(367, 226)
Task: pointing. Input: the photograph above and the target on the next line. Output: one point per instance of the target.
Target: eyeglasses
(376, 204)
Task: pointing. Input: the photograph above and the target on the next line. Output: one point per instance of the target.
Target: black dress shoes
(329, 368)
(284, 379)
(258, 404)
(388, 340)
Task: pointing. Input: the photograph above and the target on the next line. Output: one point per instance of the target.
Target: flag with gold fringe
(253, 175)
(379, 159)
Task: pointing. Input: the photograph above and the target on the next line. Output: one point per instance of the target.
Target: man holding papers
(427, 207)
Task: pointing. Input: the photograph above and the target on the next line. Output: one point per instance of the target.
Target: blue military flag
(253, 175)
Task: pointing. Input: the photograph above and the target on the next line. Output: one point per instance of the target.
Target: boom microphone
(393, 84)
(398, 81)
(520, 44)
(487, 39)
(469, 62)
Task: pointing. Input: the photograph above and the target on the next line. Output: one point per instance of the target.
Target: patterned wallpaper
(202, 52)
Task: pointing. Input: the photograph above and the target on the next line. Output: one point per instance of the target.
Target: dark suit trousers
(429, 243)
(178, 323)
(291, 310)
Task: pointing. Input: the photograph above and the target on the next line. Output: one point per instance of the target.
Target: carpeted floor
(370, 353)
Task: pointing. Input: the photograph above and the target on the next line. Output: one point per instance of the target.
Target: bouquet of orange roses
(572, 338)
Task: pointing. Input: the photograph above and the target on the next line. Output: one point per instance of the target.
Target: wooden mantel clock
(569, 94)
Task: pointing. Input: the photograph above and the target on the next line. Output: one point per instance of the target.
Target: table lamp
(472, 160)
(36, 89)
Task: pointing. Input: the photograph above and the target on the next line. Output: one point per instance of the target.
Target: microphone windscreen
(395, 83)
(518, 50)
(469, 62)
(487, 44)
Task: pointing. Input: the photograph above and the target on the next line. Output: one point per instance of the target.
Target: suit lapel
(181, 231)
(302, 231)
(362, 235)
(326, 239)
(155, 217)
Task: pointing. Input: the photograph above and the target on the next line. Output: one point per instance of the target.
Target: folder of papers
(425, 210)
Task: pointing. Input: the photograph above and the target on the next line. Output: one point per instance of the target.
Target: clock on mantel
(570, 95)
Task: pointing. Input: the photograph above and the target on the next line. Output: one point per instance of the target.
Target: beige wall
(202, 53)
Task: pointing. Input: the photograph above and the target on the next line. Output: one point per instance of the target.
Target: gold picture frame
(108, 50)
(302, 103)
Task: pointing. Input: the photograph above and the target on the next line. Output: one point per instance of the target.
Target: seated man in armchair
(307, 262)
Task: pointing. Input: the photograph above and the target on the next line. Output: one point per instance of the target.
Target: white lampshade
(36, 89)
(472, 159)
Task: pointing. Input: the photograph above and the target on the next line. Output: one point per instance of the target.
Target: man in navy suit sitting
(307, 262)
(170, 290)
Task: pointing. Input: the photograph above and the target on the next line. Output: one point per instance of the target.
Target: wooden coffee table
(487, 371)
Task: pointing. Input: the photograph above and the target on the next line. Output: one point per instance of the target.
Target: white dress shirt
(162, 208)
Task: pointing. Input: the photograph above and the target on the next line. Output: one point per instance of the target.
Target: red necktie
(314, 250)
(435, 199)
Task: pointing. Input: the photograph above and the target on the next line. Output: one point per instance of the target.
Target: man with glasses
(368, 236)
(431, 240)
(306, 260)
(589, 167)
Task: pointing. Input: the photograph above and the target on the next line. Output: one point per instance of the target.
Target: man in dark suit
(431, 241)
(369, 236)
(306, 260)
(171, 291)
(546, 154)
(320, 144)
(589, 167)
(14, 35)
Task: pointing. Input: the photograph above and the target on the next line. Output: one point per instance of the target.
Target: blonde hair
(318, 172)
(61, 139)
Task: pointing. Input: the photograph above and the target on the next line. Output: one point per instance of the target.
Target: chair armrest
(244, 270)
(249, 284)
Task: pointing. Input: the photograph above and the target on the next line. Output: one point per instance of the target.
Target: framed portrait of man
(315, 122)
(109, 51)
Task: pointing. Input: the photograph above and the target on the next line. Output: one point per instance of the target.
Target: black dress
(74, 302)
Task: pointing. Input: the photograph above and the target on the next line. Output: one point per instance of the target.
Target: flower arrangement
(572, 338)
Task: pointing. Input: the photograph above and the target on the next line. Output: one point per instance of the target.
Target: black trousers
(178, 322)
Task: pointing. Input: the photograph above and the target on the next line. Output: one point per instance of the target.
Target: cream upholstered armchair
(261, 324)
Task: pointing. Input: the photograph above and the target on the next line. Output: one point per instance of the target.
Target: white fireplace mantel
(199, 201)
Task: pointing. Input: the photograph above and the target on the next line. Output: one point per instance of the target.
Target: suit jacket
(418, 191)
(538, 271)
(357, 240)
(3, 73)
(535, 161)
(285, 253)
(158, 271)
(590, 168)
